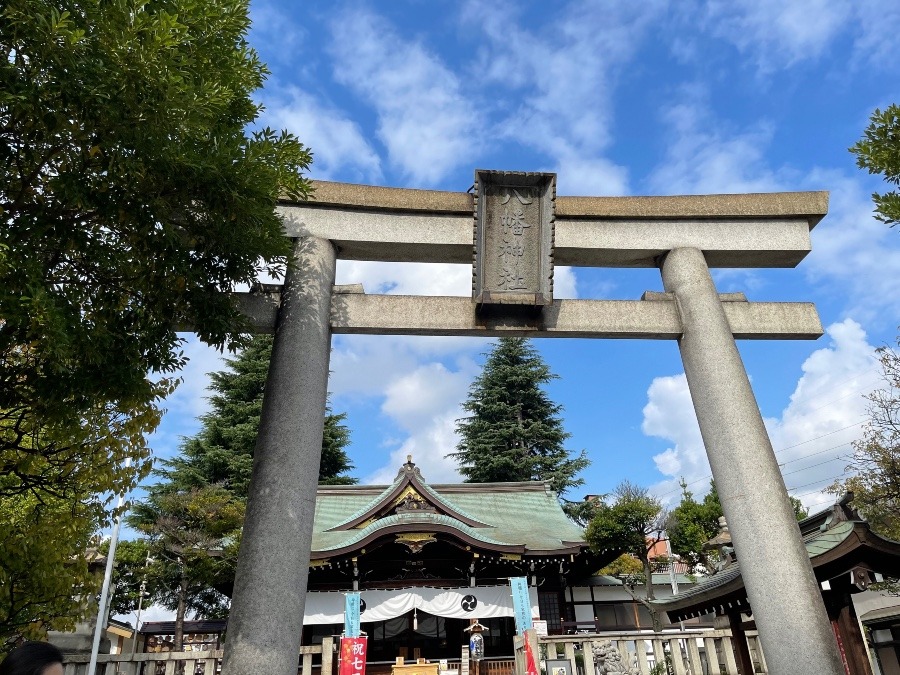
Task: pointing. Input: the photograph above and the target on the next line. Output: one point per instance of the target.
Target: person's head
(33, 658)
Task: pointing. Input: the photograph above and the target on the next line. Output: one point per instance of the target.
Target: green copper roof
(426, 490)
(523, 515)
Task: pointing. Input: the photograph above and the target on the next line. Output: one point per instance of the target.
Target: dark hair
(30, 658)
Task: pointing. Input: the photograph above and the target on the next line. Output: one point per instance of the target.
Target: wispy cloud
(854, 255)
(704, 156)
(777, 35)
(811, 438)
(423, 116)
(561, 82)
(338, 145)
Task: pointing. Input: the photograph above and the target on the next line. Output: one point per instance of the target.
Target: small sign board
(540, 627)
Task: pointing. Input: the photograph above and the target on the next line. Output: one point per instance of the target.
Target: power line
(827, 461)
(789, 447)
(813, 454)
(821, 480)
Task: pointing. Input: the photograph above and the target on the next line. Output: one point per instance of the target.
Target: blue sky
(618, 99)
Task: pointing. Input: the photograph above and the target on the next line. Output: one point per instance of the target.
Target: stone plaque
(513, 238)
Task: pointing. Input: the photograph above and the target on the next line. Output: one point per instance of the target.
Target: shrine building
(427, 559)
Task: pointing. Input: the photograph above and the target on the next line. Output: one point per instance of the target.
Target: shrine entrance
(514, 230)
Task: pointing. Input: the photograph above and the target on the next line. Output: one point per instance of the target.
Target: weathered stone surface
(419, 237)
(513, 261)
(775, 565)
(812, 206)
(273, 564)
(654, 318)
(608, 661)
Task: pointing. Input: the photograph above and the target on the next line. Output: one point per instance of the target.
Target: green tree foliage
(514, 431)
(134, 567)
(879, 153)
(131, 202)
(221, 453)
(626, 566)
(875, 463)
(632, 523)
(55, 490)
(692, 524)
(44, 573)
(193, 538)
(212, 468)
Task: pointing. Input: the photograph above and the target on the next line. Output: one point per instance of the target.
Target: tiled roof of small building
(827, 535)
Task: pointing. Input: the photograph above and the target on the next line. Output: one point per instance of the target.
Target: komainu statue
(608, 661)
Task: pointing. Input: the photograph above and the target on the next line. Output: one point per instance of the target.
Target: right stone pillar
(787, 604)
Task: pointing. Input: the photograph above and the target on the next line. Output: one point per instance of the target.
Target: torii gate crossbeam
(682, 236)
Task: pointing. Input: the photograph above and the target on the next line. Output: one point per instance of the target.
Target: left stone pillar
(273, 565)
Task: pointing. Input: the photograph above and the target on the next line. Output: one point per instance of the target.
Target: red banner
(353, 656)
(530, 665)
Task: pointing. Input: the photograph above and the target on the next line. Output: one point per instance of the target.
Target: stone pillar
(783, 592)
(273, 566)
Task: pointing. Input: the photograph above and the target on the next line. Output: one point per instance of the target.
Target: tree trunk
(180, 612)
(649, 595)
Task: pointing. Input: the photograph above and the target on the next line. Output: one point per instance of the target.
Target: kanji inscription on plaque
(514, 238)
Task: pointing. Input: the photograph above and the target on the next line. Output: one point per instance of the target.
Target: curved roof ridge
(372, 504)
(417, 518)
(443, 501)
(409, 476)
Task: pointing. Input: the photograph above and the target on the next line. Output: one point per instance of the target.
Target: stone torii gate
(521, 230)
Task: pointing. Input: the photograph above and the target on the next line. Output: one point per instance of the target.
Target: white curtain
(456, 603)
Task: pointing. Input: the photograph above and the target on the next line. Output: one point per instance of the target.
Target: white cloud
(148, 614)
(778, 35)
(775, 33)
(562, 80)
(811, 438)
(879, 24)
(424, 118)
(338, 145)
(853, 254)
(583, 176)
(425, 403)
(703, 158)
(669, 414)
(407, 278)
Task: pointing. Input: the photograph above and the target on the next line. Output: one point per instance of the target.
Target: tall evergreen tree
(192, 518)
(515, 432)
(222, 451)
(192, 536)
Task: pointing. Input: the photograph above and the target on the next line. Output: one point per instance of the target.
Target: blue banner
(351, 615)
(521, 603)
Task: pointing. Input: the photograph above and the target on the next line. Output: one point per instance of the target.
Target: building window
(548, 605)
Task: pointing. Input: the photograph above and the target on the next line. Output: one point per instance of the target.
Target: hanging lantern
(476, 646)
